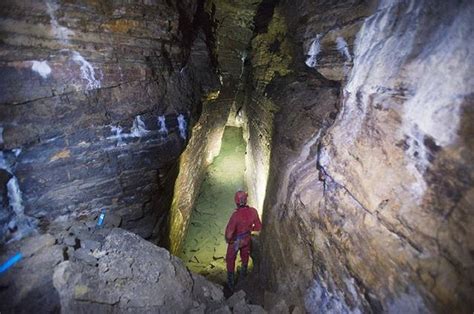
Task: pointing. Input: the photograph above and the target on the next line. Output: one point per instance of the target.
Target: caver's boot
(243, 271)
(230, 280)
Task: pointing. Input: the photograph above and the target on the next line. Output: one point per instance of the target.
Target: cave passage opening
(204, 247)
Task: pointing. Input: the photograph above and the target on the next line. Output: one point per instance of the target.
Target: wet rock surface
(204, 248)
(232, 27)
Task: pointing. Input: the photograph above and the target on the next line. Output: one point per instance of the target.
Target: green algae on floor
(204, 247)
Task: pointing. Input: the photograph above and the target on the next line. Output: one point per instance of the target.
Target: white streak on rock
(14, 196)
(243, 56)
(182, 124)
(138, 128)
(297, 164)
(87, 71)
(343, 48)
(313, 52)
(118, 135)
(323, 297)
(162, 125)
(1, 135)
(42, 68)
(24, 224)
(60, 32)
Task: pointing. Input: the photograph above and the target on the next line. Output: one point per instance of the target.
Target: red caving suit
(243, 221)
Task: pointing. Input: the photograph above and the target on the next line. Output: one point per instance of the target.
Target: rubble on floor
(84, 268)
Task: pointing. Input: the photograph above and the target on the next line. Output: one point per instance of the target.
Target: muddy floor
(204, 247)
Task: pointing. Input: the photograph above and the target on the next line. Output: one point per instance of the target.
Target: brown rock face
(96, 105)
(357, 116)
(373, 213)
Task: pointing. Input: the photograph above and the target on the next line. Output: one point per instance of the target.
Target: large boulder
(132, 274)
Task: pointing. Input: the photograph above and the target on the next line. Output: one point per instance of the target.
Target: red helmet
(240, 198)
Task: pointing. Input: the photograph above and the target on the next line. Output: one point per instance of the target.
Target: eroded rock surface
(131, 274)
(232, 28)
(368, 205)
(81, 267)
(204, 247)
(97, 103)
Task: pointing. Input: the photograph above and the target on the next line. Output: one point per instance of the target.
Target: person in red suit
(243, 221)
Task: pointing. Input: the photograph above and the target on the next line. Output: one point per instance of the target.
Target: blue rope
(10, 262)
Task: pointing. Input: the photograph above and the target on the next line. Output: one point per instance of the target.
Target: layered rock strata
(368, 205)
(97, 103)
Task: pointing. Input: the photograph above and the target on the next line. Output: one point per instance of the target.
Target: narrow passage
(204, 247)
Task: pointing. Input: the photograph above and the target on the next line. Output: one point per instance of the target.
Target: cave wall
(232, 29)
(270, 57)
(369, 199)
(203, 147)
(92, 92)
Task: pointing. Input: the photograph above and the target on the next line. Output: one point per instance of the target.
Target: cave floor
(204, 247)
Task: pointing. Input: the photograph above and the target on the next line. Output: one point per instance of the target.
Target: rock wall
(231, 24)
(371, 211)
(203, 147)
(270, 57)
(97, 101)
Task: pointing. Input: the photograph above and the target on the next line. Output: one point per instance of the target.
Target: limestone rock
(256, 309)
(90, 245)
(236, 298)
(85, 256)
(112, 220)
(84, 86)
(70, 240)
(133, 275)
(369, 175)
(35, 244)
(203, 290)
(223, 310)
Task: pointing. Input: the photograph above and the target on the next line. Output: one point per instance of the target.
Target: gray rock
(222, 310)
(200, 309)
(204, 290)
(85, 256)
(142, 276)
(257, 309)
(91, 224)
(35, 244)
(241, 307)
(112, 269)
(112, 220)
(80, 231)
(70, 241)
(90, 245)
(236, 298)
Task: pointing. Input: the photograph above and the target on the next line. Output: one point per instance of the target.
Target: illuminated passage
(204, 247)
